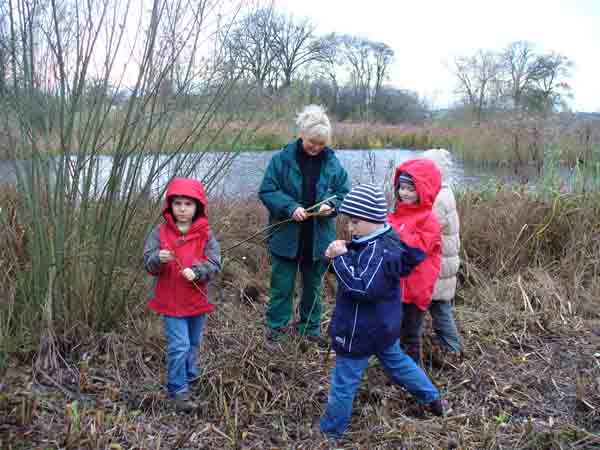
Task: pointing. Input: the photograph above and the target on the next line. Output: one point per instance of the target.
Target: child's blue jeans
(184, 336)
(347, 375)
(442, 321)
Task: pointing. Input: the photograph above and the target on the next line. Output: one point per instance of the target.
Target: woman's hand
(325, 210)
(299, 214)
(165, 256)
(336, 248)
(188, 274)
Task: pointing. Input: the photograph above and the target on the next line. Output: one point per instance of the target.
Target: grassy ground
(529, 376)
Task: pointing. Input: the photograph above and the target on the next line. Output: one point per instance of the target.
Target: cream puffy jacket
(447, 215)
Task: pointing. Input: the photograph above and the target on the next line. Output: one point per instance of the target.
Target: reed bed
(567, 141)
(514, 141)
(527, 379)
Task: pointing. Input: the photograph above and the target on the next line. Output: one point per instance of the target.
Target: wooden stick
(280, 223)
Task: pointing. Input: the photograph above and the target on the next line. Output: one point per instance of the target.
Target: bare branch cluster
(517, 78)
(272, 50)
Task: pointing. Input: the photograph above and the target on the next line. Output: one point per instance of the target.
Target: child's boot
(183, 403)
(439, 407)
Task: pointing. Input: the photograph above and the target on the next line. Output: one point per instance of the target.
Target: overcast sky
(425, 34)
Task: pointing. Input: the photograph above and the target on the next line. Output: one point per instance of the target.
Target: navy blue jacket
(368, 309)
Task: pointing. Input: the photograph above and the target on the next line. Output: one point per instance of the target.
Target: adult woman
(305, 172)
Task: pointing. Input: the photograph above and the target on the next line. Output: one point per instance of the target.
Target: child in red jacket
(183, 256)
(416, 185)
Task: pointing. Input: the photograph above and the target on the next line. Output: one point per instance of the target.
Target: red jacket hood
(189, 188)
(418, 227)
(427, 179)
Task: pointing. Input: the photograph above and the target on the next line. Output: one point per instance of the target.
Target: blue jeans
(442, 321)
(347, 375)
(184, 336)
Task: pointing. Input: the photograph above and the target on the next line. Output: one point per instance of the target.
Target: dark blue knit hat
(366, 202)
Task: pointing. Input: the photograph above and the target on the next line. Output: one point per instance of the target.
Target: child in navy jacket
(368, 312)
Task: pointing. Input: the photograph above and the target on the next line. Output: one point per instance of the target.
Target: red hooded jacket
(418, 227)
(174, 295)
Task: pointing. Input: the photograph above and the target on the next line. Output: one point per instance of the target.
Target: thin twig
(280, 223)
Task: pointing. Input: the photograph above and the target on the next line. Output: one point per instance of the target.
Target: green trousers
(283, 278)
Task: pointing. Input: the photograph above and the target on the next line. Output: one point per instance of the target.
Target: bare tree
(368, 64)
(4, 46)
(476, 76)
(550, 88)
(518, 79)
(329, 63)
(522, 68)
(357, 52)
(251, 44)
(383, 56)
(358, 67)
(294, 45)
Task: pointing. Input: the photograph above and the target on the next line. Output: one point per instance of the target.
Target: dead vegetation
(529, 377)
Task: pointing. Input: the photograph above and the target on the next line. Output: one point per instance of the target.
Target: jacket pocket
(341, 327)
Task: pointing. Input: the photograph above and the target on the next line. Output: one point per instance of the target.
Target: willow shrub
(64, 108)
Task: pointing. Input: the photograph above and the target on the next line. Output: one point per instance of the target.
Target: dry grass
(569, 139)
(563, 138)
(528, 378)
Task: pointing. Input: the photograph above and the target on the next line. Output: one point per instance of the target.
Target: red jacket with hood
(418, 227)
(174, 295)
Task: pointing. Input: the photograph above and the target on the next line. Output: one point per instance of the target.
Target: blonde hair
(442, 159)
(313, 122)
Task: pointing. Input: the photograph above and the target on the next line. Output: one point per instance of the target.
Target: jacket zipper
(353, 328)
(176, 287)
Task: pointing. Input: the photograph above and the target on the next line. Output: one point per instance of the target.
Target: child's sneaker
(441, 355)
(439, 407)
(183, 403)
(318, 434)
(194, 379)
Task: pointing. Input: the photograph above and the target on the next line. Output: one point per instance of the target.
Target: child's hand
(165, 256)
(325, 210)
(188, 274)
(336, 248)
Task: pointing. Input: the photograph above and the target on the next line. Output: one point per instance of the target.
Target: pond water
(247, 169)
(363, 166)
